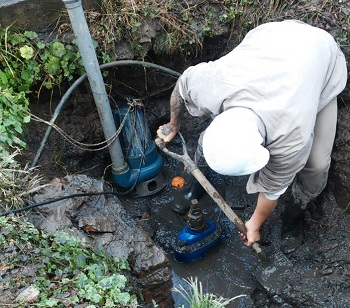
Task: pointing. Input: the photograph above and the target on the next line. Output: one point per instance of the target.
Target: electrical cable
(78, 82)
(29, 207)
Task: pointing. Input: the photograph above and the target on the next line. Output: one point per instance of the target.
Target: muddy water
(320, 267)
(226, 268)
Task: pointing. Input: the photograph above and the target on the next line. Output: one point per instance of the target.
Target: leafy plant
(196, 298)
(13, 114)
(65, 264)
(26, 60)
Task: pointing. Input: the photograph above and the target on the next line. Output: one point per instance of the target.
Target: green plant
(26, 60)
(13, 114)
(196, 298)
(64, 264)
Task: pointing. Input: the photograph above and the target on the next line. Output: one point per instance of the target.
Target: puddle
(226, 268)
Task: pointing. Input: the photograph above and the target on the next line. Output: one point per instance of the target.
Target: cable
(26, 208)
(80, 81)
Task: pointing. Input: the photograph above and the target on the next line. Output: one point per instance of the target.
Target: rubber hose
(80, 81)
(32, 206)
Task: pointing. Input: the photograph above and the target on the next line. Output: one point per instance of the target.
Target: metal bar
(88, 54)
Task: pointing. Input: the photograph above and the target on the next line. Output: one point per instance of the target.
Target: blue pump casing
(139, 149)
(192, 245)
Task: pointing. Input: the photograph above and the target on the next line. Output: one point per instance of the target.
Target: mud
(318, 272)
(312, 276)
(230, 269)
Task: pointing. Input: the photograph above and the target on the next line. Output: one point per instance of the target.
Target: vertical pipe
(88, 54)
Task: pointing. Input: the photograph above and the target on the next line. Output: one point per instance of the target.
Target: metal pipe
(88, 54)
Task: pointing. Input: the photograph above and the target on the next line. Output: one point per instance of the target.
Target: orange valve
(178, 182)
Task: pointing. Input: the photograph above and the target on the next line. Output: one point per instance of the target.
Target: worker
(274, 103)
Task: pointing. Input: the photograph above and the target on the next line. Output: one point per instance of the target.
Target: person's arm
(177, 107)
(263, 210)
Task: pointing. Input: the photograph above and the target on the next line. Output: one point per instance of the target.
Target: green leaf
(80, 260)
(48, 84)
(3, 79)
(27, 52)
(123, 298)
(51, 302)
(18, 127)
(53, 66)
(30, 34)
(27, 76)
(40, 45)
(16, 38)
(58, 49)
(26, 119)
(96, 298)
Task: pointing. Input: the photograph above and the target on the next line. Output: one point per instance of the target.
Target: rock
(112, 228)
(96, 224)
(148, 224)
(29, 295)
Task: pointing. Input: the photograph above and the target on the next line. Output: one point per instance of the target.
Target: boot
(182, 201)
(292, 233)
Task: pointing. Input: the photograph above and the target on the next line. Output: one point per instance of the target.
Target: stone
(29, 295)
(96, 224)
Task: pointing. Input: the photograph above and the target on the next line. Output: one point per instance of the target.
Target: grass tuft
(16, 183)
(196, 298)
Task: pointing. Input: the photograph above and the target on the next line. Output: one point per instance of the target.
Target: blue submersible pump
(197, 237)
(142, 166)
(139, 149)
(199, 234)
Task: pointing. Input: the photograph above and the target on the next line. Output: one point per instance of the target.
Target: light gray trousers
(312, 179)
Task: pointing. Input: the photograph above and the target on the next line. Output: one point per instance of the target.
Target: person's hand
(167, 132)
(253, 234)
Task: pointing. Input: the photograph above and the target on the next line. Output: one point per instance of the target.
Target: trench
(225, 269)
(229, 269)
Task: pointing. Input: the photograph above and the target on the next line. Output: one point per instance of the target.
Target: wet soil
(230, 269)
(319, 271)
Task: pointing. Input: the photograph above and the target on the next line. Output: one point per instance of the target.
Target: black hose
(80, 81)
(26, 208)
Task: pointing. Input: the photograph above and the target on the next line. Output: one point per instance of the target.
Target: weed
(64, 264)
(196, 298)
(25, 61)
(16, 183)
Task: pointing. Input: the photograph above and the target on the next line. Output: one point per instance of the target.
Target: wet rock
(29, 295)
(96, 224)
(156, 276)
(112, 228)
(115, 246)
(148, 257)
(148, 224)
(58, 215)
(159, 294)
(123, 51)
